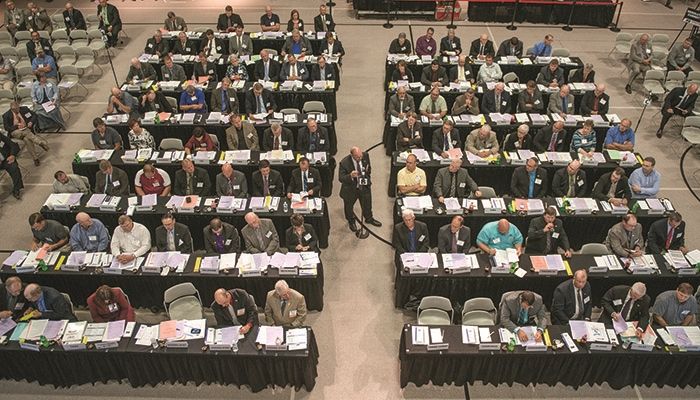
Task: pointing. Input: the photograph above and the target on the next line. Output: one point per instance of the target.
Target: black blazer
(445, 239)
(183, 238)
(396, 76)
(223, 21)
(400, 238)
(588, 102)
(112, 16)
(309, 238)
(220, 46)
(564, 302)
(348, 184)
(613, 300)
(267, 98)
(537, 239)
(656, 238)
(57, 308)
(337, 47)
(318, 24)
(286, 139)
(152, 47)
(323, 142)
(8, 147)
(488, 102)
(396, 48)
(560, 183)
(179, 48)
(673, 99)
(201, 185)
(438, 142)
(504, 49)
(520, 181)
(8, 121)
(426, 77)
(488, 48)
(445, 45)
(21, 304)
(232, 242)
(210, 71)
(275, 184)
(77, 22)
(44, 44)
(509, 144)
(273, 73)
(160, 104)
(544, 136)
(328, 73)
(118, 175)
(243, 306)
(578, 77)
(290, 25)
(295, 184)
(452, 73)
(602, 187)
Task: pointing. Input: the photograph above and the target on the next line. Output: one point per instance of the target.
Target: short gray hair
(639, 288)
(281, 286)
(407, 212)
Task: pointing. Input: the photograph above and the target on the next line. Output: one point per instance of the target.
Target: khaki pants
(30, 140)
(636, 69)
(7, 85)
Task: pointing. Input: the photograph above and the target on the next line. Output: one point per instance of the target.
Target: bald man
(481, 47)
(47, 303)
(269, 22)
(499, 235)
(260, 235)
(88, 234)
(139, 71)
(595, 102)
(231, 183)
(234, 307)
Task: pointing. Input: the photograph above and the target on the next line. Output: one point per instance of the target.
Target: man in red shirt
(152, 180)
(200, 140)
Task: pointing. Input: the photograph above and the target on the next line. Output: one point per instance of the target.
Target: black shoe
(353, 226)
(668, 5)
(659, 133)
(17, 194)
(37, 162)
(374, 222)
(628, 89)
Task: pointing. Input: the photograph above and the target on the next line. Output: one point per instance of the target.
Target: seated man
(451, 45)
(434, 74)
(620, 137)
(259, 101)
(625, 238)
(200, 140)
(120, 102)
(305, 180)
(192, 101)
(411, 180)
(269, 22)
(152, 180)
(482, 142)
(105, 137)
(569, 181)
(667, 234)
(210, 46)
(45, 64)
(260, 235)
(518, 140)
(572, 299)
(510, 47)
(446, 139)
(426, 45)
(293, 70)
(20, 123)
(230, 182)
(681, 56)
(240, 44)
(234, 307)
(241, 135)
(675, 307)
(139, 71)
(551, 75)
(323, 22)
(679, 101)
(546, 235)
(489, 71)
(297, 45)
(543, 48)
(530, 99)
(631, 303)
(300, 236)
(111, 181)
(9, 151)
(183, 46)
(322, 71)
(454, 237)
(221, 237)
(74, 18)
(639, 60)
(529, 181)
(595, 102)
(496, 100)
(434, 106)
(110, 304)
(224, 98)
(173, 236)
(466, 103)
(410, 236)
(267, 181)
(88, 234)
(401, 103)
(313, 137)
(266, 68)
(332, 47)
(584, 140)
(285, 306)
(191, 180)
(400, 45)
(70, 183)
(48, 234)
(613, 188)
(12, 301)
(171, 71)
(130, 240)
(174, 23)
(409, 133)
(454, 181)
(522, 308)
(277, 137)
(561, 102)
(36, 43)
(228, 21)
(645, 180)
(499, 235)
(47, 303)
(550, 138)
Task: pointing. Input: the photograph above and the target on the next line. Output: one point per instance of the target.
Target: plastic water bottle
(285, 207)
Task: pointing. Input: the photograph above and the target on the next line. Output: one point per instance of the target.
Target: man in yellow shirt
(411, 180)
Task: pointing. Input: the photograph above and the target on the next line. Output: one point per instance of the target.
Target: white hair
(639, 288)
(281, 286)
(407, 212)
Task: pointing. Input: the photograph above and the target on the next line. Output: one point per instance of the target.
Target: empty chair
(24, 73)
(24, 94)
(674, 79)
(45, 35)
(478, 317)
(691, 129)
(79, 38)
(96, 42)
(6, 97)
(658, 58)
(480, 303)
(6, 39)
(479, 311)
(487, 192)
(510, 77)
(623, 43)
(59, 37)
(171, 144)
(594, 249)
(57, 21)
(65, 54)
(9, 53)
(654, 82)
(659, 41)
(85, 58)
(286, 111)
(215, 140)
(22, 37)
(314, 106)
(182, 301)
(693, 76)
(23, 57)
(560, 52)
(172, 101)
(69, 301)
(435, 310)
(272, 52)
(92, 19)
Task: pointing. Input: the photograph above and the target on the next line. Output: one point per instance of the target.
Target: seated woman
(235, 70)
(402, 73)
(584, 75)
(584, 140)
(139, 137)
(199, 141)
(519, 140)
(295, 22)
(110, 304)
(46, 104)
(301, 236)
(400, 45)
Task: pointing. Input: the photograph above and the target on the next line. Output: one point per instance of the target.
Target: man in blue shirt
(88, 234)
(543, 48)
(192, 101)
(499, 235)
(644, 181)
(46, 64)
(620, 137)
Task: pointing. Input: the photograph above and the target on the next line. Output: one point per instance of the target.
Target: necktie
(626, 309)
(108, 183)
(267, 71)
(669, 238)
(304, 181)
(579, 301)
(682, 102)
(260, 105)
(453, 185)
(240, 46)
(323, 22)
(454, 242)
(224, 103)
(595, 104)
(11, 302)
(294, 70)
(563, 104)
(283, 305)
(433, 108)
(230, 187)
(572, 186)
(276, 145)
(553, 142)
(189, 184)
(210, 48)
(171, 240)
(522, 317)
(261, 241)
(497, 98)
(412, 241)
(481, 50)
(266, 186)
(446, 142)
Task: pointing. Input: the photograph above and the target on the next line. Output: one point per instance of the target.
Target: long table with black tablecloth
(464, 364)
(389, 134)
(327, 170)
(499, 176)
(598, 13)
(259, 43)
(196, 221)
(146, 289)
(183, 132)
(525, 72)
(143, 365)
(479, 283)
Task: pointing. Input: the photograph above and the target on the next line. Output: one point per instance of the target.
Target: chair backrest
(435, 302)
(478, 317)
(24, 92)
(623, 37)
(510, 77)
(659, 39)
(6, 94)
(22, 52)
(187, 307)
(45, 35)
(675, 76)
(59, 34)
(479, 303)
(286, 111)
(9, 52)
(171, 144)
(530, 50)
(57, 19)
(272, 52)
(23, 36)
(654, 75)
(67, 297)
(87, 184)
(172, 101)
(595, 249)
(6, 37)
(92, 18)
(693, 76)
(180, 290)
(693, 121)
(314, 106)
(83, 51)
(78, 34)
(94, 34)
(434, 316)
(571, 74)
(215, 140)
(69, 70)
(487, 192)
(560, 52)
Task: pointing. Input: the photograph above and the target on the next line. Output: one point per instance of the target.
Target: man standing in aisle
(354, 175)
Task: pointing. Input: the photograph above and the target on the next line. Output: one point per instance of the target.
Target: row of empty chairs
(437, 310)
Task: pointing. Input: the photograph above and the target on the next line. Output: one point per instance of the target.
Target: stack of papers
(297, 339)
(235, 157)
(51, 330)
(227, 336)
(203, 157)
(685, 336)
(593, 331)
(270, 335)
(418, 203)
(493, 205)
(538, 119)
(422, 260)
(596, 158)
(557, 158)
(452, 205)
(610, 261)
(500, 119)
(16, 258)
(676, 259)
(474, 159)
(506, 257)
(63, 201)
(277, 155)
(231, 204)
(253, 262)
(458, 260)
(421, 154)
(552, 262)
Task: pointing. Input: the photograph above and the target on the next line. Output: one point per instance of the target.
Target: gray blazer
(178, 73)
(639, 53)
(239, 185)
(460, 106)
(619, 243)
(465, 184)
(445, 239)
(395, 105)
(555, 106)
(509, 310)
(231, 99)
(245, 48)
(270, 240)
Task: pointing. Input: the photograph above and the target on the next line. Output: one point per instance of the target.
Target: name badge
(244, 46)
(429, 48)
(218, 47)
(113, 307)
(267, 104)
(292, 313)
(679, 235)
(227, 242)
(19, 306)
(28, 115)
(156, 184)
(504, 103)
(193, 98)
(200, 184)
(454, 143)
(421, 238)
(233, 99)
(284, 143)
(307, 236)
(586, 299)
(250, 136)
(403, 48)
(584, 141)
(602, 101)
(310, 180)
(538, 181)
(272, 23)
(555, 235)
(116, 183)
(68, 19)
(211, 71)
(648, 50)
(460, 243)
(537, 102)
(268, 234)
(236, 187)
(103, 141)
(240, 312)
(167, 76)
(329, 75)
(92, 238)
(454, 45)
(273, 186)
(496, 240)
(150, 45)
(463, 184)
(322, 141)
(579, 183)
(687, 55)
(617, 302)
(187, 49)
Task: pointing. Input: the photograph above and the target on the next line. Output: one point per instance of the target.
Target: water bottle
(285, 207)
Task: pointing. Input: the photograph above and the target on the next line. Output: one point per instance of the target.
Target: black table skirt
(141, 366)
(463, 364)
(396, 5)
(146, 290)
(258, 43)
(595, 14)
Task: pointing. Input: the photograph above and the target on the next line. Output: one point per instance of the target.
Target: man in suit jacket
(234, 307)
(466, 103)
(285, 306)
(639, 60)
(174, 23)
(496, 100)
(111, 181)
(221, 237)
(621, 195)
(228, 21)
(572, 300)
(173, 236)
(625, 238)
(454, 237)
(112, 24)
(481, 47)
(305, 177)
(183, 45)
(450, 44)
(461, 72)
(454, 181)
(595, 102)
(191, 180)
(241, 135)
(230, 182)
(260, 235)
(510, 47)
(410, 236)
(171, 71)
(266, 68)
(12, 301)
(679, 101)
(210, 45)
(15, 18)
(240, 44)
(434, 73)
(156, 45)
(522, 308)
(354, 174)
(561, 102)
(294, 70)
(322, 71)
(300, 236)
(323, 22)
(551, 75)
(546, 235)
(266, 181)
(332, 46)
(530, 99)
(224, 99)
(529, 181)
(550, 138)
(446, 138)
(19, 123)
(401, 103)
(667, 234)
(629, 303)
(47, 303)
(296, 45)
(313, 137)
(569, 181)
(259, 101)
(277, 137)
(36, 43)
(204, 69)
(409, 133)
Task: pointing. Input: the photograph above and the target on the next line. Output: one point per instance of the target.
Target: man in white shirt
(130, 240)
(490, 71)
